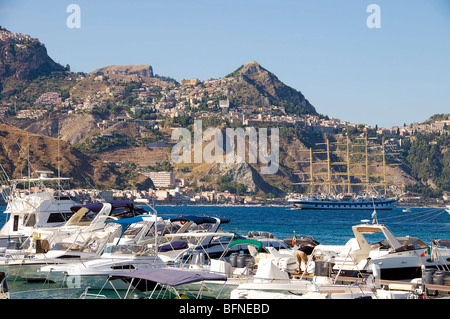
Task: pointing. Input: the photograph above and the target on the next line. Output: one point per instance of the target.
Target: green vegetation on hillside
(428, 160)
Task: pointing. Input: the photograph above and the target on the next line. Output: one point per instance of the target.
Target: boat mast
(58, 164)
(328, 166)
(311, 171)
(384, 168)
(363, 149)
(367, 164)
(348, 165)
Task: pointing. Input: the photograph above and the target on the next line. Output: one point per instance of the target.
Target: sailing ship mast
(363, 158)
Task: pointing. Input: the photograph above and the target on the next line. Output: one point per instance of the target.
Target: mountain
(254, 86)
(110, 115)
(22, 58)
(16, 146)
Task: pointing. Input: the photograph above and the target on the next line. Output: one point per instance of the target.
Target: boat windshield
(75, 247)
(408, 243)
(134, 250)
(411, 243)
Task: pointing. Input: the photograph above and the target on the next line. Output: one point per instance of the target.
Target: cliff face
(143, 70)
(22, 58)
(126, 73)
(73, 128)
(255, 86)
(245, 174)
(43, 153)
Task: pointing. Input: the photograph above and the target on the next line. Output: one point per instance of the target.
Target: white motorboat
(448, 209)
(264, 266)
(343, 293)
(195, 238)
(128, 248)
(396, 258)
(160, 283)
(83, 237)
(271, 283)
(31, 208)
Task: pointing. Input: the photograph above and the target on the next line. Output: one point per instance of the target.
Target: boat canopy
(115, 204)
(166, 276)
(200, 219)
(175, 245)
(442, 242)
(125, 222)
(200, 234)
(253, 242)
(131, 220)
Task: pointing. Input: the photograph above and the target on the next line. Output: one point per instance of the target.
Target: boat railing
(87, 295)
(343, 262)
(4, 292)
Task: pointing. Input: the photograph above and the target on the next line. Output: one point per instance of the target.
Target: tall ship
(345, 166)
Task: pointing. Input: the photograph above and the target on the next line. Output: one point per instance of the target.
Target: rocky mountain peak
(144, 70)
(251, 67)
(259, 87)
(23, 58)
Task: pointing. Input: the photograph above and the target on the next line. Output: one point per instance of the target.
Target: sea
(325, 226)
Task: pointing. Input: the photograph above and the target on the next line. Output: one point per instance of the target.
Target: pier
(429, 290)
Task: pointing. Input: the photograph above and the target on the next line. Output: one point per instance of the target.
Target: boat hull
(387, 204)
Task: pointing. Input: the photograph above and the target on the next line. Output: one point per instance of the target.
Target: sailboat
(346, 200)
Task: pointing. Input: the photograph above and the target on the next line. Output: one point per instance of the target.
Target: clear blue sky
(399, 73)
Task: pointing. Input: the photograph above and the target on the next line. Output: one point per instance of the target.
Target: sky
(388, 75)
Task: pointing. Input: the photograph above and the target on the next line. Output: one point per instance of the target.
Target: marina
(55, 248)
(266, 272)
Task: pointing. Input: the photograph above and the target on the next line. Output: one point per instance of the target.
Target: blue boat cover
(173, 246)
(127, 221)
(96, 207)
(199, 219)
(168, 276)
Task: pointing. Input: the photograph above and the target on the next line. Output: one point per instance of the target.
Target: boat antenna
(58, 162)
(28, 161)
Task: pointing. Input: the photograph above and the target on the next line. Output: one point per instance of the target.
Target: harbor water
(326, 227)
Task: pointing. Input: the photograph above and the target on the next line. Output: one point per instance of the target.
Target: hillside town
(152, 102)
(197, 99)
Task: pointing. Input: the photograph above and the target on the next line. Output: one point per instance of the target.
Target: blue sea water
(326, 226)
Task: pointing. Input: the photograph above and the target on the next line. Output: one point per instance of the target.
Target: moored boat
(33, 208)
(375, 249)
(343, 202)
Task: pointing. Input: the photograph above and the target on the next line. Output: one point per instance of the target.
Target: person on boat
(302, 256)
